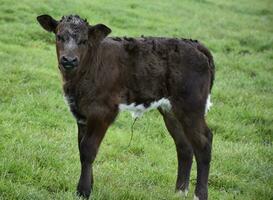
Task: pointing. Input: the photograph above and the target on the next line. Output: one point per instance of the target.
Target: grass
(38, 141)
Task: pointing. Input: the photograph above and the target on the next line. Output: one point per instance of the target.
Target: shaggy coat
(103, 75)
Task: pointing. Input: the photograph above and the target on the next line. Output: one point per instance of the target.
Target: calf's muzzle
(69, 63)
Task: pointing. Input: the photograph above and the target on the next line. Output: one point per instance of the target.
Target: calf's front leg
(90, 137)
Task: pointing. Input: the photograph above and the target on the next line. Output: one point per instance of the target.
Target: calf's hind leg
(184, 152)
(200, 137)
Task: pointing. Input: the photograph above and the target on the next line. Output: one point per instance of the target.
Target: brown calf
(103, 75)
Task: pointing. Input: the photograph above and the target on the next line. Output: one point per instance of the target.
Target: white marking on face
(70, 44)
(195, 197)
(139, 110)
(208, 104)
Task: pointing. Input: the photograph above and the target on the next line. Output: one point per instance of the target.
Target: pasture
(38, 141)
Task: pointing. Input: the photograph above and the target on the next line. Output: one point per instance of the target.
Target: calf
(103, 75)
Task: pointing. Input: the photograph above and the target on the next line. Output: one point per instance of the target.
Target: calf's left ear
(48, 23)
(98, 32)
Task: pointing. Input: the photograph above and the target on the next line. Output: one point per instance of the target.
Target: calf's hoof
(200, 197)
(195, 197)
(83, 192)
(182, 193)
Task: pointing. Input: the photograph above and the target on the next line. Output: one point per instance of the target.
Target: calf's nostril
(65, 59)
(74, 60)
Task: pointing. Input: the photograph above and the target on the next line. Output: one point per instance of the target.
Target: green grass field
(38, 141)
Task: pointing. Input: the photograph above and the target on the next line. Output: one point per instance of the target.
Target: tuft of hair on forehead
(74, 19)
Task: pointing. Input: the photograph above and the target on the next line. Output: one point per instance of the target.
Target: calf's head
(75, 38)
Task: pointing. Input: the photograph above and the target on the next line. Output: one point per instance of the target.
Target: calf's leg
(81, 132)
(200, 138)
(203, 157)
(184, 152)
(90, 137)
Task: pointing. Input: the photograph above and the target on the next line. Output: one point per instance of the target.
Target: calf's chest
(73, 105)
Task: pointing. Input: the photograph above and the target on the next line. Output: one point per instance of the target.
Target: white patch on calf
(71, 103)
(208, 104)
(139, 110)
(71, 44)
(183, 193)
(195, 197)
(68, 100)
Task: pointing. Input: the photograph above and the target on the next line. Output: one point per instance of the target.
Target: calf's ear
(48, 23)
(98, 32)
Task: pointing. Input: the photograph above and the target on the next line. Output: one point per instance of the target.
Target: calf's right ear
(48, 23)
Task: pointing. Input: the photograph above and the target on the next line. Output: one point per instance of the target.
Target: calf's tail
(207, 53)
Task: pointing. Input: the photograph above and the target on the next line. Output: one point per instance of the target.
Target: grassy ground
(38, 145)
